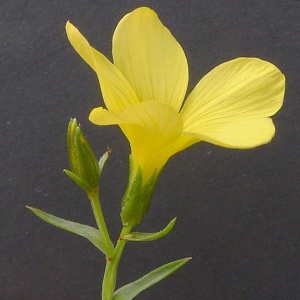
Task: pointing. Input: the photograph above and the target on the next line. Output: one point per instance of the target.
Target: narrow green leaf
(149, 236)
(129, 291)
(103, 159)
(91, 233)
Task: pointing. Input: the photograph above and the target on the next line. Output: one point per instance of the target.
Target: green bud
(137, 198)
(85, 169)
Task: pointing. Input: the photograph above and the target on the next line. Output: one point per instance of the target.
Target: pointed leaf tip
(129, 291)
(151, 236)
(90, 233)
(103, 159)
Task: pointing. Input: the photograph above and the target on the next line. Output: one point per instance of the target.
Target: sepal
(147, 236)
(83, 184)
(137, 198)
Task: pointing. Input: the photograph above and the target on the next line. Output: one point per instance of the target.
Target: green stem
(95, 202)
(111, 269)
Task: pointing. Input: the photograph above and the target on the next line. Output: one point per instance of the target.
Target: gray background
(238, 211)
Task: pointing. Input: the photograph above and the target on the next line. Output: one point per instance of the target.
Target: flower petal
(155, 121)
(230, 105)
(241, 134)
(153, 129)
(116, 90)
(150, 58)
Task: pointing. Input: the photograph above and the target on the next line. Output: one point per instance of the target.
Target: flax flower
(145, 86)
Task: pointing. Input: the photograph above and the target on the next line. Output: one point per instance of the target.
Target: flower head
(145, 87)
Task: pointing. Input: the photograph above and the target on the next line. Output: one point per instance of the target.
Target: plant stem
(98, 214)
(111, 269)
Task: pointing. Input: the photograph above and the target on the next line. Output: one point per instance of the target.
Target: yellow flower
(144, 90)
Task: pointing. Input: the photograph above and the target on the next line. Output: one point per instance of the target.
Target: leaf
(151, 236)
(129, 291)
(103, 159)
(91, 233)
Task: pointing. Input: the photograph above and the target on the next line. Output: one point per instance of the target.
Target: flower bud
(85, 169)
